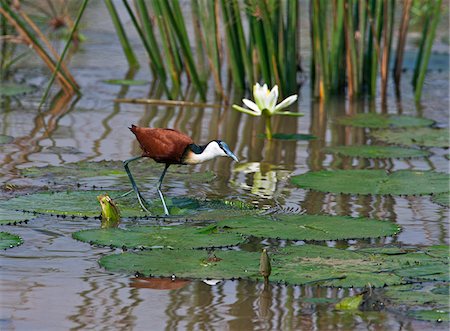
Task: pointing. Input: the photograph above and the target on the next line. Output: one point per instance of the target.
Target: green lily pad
(426, 137)
(377, 152)
(430, 315)
(11, 89)
(436, 271)
(442, 199)
(415, 297)
(402, 182)
(185, 264)
(4, 139)
(85, 203)
(147, 237)
(380, 121)
(9, 217)
(129, 82)
(311, 227)
(419, 295)
(296, 265)
(8, 240)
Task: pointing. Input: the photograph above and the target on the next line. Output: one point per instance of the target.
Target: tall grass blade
(64, 52)
(401, 43)
(422, 62)
(124, 42)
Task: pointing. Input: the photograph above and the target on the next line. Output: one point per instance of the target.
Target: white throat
(211, 151)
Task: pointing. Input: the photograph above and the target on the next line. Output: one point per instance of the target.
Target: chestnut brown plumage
(170, 146)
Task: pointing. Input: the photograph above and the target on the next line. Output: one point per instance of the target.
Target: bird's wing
(162, 145)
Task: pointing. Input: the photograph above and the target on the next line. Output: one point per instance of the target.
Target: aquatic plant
(265, 105)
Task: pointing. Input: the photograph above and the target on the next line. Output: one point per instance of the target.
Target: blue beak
(228, 152)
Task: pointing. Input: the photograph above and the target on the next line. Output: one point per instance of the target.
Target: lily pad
(419, 295)
(185, 264)
(381, 121)
(148, 237)
(426, 137)
(85, 204)
(430, 315)
(4, 139)
(435, 271)
(9, 217)
(377, 152)
(442, 199)
(12, 89)
(311, 227)
(8, 240)
(296, 265)
(129, 82)
(402, 182)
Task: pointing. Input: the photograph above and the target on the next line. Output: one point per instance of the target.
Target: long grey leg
(133, 183)
(166, 211)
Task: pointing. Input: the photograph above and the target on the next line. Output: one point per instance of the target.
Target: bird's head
(225, 150)
(215, 148)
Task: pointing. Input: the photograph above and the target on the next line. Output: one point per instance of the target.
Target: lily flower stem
(268, 127)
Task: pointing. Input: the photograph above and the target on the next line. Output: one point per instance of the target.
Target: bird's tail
(133, 128)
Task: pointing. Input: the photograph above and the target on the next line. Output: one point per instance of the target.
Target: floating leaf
(419, 295)
(442, 199)
(9, 217)
(427, 137)
(146, 237)
(185, 264)
(430, 315)
(297, 265)
(129, 82)
(311, 227)
(402, 182)
(377, 152)
(11, 89)
(380, 121)
(436, 271)
(8, 240)
(4, 139)
(85, 203)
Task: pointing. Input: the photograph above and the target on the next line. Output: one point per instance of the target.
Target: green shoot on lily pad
(265, 105)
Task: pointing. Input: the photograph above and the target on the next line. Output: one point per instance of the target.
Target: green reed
(253, 40)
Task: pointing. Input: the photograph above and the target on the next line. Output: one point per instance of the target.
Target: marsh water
(52, 282)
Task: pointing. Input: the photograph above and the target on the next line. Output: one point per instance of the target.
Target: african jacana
(170, 146)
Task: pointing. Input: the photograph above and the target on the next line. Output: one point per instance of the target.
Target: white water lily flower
(266, 102)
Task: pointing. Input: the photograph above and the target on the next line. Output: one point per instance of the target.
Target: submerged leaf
(310, 227)
(427, 137)
(8, 240)
(4, 139)
(146, 237)
(377, 152)
(12, 89)
(380, 121)
(402, 182)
